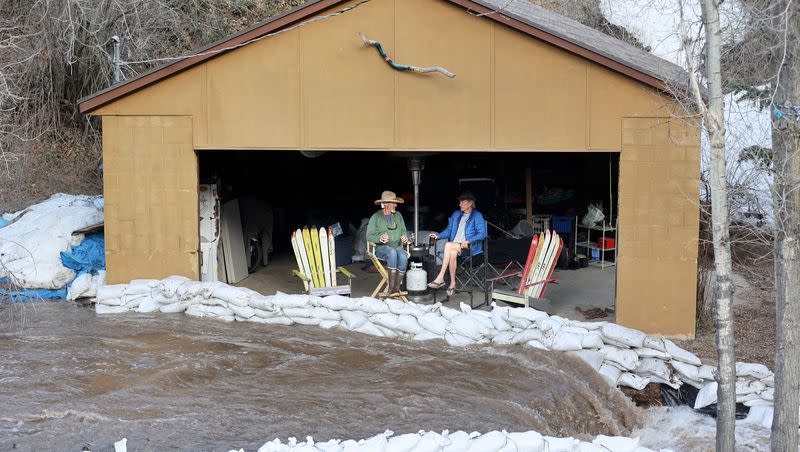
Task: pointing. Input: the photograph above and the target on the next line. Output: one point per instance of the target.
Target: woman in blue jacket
(466, 229)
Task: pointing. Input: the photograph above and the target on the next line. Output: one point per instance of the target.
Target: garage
(545, 113)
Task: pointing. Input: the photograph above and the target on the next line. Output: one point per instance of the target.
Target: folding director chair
(472, 271)
(379, 265)
(545, 248)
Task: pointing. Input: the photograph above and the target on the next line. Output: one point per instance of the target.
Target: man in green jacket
(387, 230)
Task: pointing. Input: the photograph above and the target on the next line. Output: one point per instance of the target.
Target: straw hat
(389, 196)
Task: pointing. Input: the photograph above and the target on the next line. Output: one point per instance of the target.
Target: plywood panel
(435, 111)
(150, 191)
(254, 94)
(540, 94)
(348, 90)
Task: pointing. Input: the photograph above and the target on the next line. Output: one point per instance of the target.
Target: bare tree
(714, 121)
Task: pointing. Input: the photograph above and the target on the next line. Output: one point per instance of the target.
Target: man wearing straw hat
(387, 229)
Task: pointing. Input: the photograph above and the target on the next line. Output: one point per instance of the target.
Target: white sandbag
(162, 300)
(687, 371)
(459, 441)
(113, 291)
(402, 443)
(168, 286)
(426, 335)
(758, 402)
(565, 341)
(616, 443)
(218, 311)
(214, 302)
(178, 306)
(610, 373)
(537, 344)
(457, 340)
(623, 335)
(593, 358)
(141, 286)
(370, 328)
(593, 341)
(575, 329)
(490, 441)
(549, 325)
(196, 310)
(449, 313)
(745, 398)
(767, 394)
(706, 396)
(434, 323)
(353, 319)
(132, 301)
(645, 352)
(242, 311)
(626, 358)
(262, 302)
(745, 386)
(760, 415)
(388, 332)
(757, 371)
(305, 320)
(500, 318)
(279, 320)
(633, 381)
(655, 343)
(408, 324)
(298, 312)
(679, 354)
(530, 334)
(189, 290)
(148, 305)
(769, 381)
(466, 326)
(568, 444)
(207, 288)
(328, 324)
(80, 285)
(525, 442)
(519, 322)
(336, 302)
(485, 321)
(591, 326)
(233, 295)
(370, 305)
(107, 309)
(530, 314)
(504, 337)
(386, 319)
(431, 442)
(401, 308)
(653, 367)
(673, 382)
(225, 318)
(706, 372)
(323, 313)
(110, 302)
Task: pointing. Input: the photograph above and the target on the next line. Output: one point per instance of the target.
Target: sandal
(436, 285)
(451, 291)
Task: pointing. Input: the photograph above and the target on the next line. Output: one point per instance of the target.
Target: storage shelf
(598, 228)
(602, 264)
(594, 246)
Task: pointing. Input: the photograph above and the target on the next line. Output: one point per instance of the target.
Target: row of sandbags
(623, 356)
(459, 441)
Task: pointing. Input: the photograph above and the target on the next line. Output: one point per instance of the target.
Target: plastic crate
(562, 225)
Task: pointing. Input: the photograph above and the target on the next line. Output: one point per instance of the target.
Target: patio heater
(417, 277)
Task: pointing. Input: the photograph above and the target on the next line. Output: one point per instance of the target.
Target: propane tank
(416, 278)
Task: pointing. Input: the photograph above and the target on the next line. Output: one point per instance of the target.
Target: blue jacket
(475, 230)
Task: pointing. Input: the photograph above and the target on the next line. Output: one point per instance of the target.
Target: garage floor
(582, 289)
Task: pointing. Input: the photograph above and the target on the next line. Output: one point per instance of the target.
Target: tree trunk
(786, 195)
(720, 220)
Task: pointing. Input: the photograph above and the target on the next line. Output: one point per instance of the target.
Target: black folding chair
(472, 272)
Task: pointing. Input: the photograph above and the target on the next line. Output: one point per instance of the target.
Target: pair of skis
(544, 251)
(315, 252)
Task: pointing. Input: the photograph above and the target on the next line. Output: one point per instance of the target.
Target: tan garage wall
(318, 87)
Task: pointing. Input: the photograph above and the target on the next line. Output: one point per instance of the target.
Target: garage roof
(522, 15)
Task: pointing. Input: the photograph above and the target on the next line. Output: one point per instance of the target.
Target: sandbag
(490, 441)
(310, 321)
(233, 295)
(189, 290)
(328, 324)
(706, 396)
(530, 334)
(113, 291)
(196, 310)
(262, 302)
(500, 318)
(434, 323)
(687, 371)
(529, 314)
(633, 381)
(626, 358)
(105, 309)
(760, 415)
(402, 443)
(745, 387)
(592, 340)
(370, 328)
(757, 371)
(537, 344)
(148, 305)
(653, 367)
(370, 305)
(336, 302)
(568, 444)
(132, 301)
(591, 326)
(457, 340)
(110, 302)
(525, 441)
(706, 372)
(448, 313)
(401, 308)
(353, 319)
(425, 335)
(207, 288)
(616, 443)
(655, 343)
(466, 326)
(79, 286)
(504, 337)
(610, 373)
(408, 324)
(218, 311)
(679, 354)
(298, 312)
(575, 329)
(141, 286)
(565, 341)
(242, 311)
(178, 306)
(386, 319)
(323, 313)
(618, 333)
(169, 285)
(278, 320)
(593, 358)
(645, 352)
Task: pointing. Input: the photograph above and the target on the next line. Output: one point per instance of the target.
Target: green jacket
(377, 226)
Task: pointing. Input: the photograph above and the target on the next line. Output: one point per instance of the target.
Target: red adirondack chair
(538, 272)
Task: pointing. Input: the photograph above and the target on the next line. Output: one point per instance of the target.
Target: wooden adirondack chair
(316, 263)
(537, 273)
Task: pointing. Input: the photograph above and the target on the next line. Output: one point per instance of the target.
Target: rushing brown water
(70, 378)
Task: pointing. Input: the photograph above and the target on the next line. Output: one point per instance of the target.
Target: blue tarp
(3, 222)
(89, 257)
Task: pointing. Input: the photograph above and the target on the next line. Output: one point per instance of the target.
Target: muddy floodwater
(71, 379)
